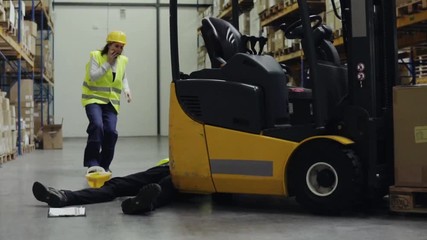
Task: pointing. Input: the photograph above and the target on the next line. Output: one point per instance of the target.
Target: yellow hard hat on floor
(97, 176)
(117, 36)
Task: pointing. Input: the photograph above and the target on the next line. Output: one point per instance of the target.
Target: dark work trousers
(102, 135)
(126, 186)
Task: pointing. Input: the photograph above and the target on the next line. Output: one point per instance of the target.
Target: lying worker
(152, 188)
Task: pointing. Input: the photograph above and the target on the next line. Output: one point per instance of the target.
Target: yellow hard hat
(117, 36)
(97, 179)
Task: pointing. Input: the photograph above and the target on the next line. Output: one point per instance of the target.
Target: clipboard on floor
(67, 212)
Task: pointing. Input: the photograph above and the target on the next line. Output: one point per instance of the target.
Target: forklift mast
(371, 38)
(370, 41)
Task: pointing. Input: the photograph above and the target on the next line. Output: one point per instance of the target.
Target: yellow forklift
(238, 128)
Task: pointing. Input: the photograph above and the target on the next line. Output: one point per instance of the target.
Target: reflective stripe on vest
(102, 89)
(105, 89)
(114, 102)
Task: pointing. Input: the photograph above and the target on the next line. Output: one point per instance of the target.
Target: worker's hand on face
(112, 56)
(128, 96)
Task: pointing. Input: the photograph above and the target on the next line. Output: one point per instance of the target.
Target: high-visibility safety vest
(163, 162)
(104, 89)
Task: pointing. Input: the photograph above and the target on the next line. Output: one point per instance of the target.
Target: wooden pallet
(12, 156)
(6, 25)
(289, 2)
(277, 8)
(3, 159)
(226, 6)
(272, 10)
(28, 148)
(279, 52)
(422, 80)
(408, 199)
(8, 28)
(7, 157)
(263, 15)
(411, 7)
(242, 4)
(421, 71)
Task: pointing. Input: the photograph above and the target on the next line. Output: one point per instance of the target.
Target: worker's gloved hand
(128, 96)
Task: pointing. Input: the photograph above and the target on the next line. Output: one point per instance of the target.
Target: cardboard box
(27, 91)
(410, 135)
(32, 27)
(52, 136)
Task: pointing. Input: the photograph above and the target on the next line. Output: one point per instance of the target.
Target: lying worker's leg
(51, 196)
(115, 187)
(144, 200)
(150, 196)
(168, 194)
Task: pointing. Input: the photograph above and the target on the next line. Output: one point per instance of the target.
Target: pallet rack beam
(11, 48)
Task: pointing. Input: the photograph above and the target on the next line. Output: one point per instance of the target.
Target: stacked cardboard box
(38, 110)
(2, 12)
(52, 136)
(7, 126)
(254, 22)
(28, 28)
(46, 47)
(279, 41)
(261, 6)
(11, 16)
(30, 34)
(410, 136)
(245, 23)
(27, 109)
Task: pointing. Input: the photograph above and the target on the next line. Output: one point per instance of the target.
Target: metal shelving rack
(13, 54)
(402, 23)
(44, 93)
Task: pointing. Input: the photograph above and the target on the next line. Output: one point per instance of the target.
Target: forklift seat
(222, 40)
(266, 73)
(326, 51)
(230, 62)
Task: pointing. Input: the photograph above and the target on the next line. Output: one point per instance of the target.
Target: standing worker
(104, 82)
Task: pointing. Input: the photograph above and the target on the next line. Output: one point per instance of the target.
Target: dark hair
(105, 49)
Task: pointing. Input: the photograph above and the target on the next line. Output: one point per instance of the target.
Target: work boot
(144, 201)
(51, 196)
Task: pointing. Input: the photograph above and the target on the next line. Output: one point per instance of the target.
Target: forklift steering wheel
(294, 30)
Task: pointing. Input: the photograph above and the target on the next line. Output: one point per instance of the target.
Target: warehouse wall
(75, 37)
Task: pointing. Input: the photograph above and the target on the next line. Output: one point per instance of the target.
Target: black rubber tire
(342, 169)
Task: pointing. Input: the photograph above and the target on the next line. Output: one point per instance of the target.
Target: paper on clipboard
(67, 212)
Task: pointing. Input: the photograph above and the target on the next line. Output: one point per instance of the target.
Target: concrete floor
(22, 217)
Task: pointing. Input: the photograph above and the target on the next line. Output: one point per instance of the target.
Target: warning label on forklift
(421, 134)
